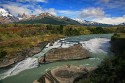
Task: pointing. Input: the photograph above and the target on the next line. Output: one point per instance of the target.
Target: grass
(16, 43)
(119, 35)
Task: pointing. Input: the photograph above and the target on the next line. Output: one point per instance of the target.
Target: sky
(103, 11)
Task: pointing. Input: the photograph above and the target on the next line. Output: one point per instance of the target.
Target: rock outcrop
(65, 74)
(71, 53)
(19, 56)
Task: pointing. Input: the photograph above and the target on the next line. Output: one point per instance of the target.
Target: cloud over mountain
(92, 13)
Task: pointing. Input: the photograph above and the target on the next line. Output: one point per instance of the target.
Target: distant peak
(79, 20)
(3, 12)
(45, 14)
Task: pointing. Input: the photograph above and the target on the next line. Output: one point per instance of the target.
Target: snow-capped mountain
(122, 24)
(79, 20)
(43, 18)
(24, 16)
(47, 18)
(6, 17)
(3, 12)
(92, 23)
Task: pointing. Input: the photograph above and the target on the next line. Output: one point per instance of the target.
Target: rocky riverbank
(19, 56)
(59, 54)
(65, 74)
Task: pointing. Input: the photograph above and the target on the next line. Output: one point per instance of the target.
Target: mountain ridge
(46, 18)
(6, 17)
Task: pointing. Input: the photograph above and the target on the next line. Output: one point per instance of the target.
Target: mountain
(122, 24)
(43, 18)
(24, 16)
(6, 17)
(47, 18)
(90, 23)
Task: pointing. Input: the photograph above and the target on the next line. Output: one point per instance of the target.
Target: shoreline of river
(25, 53)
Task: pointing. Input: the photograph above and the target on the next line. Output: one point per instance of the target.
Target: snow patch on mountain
(79, 20)
(5, 13)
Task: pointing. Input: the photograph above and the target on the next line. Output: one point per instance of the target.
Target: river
(27, 70)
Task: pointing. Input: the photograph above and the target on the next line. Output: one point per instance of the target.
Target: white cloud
(99, 15)
(17, 8)
(68, 13)
(105, 1)
(51, 11)
(40, 0)
(110, 20)
(92, 13)
(112, 4)
(31, 0)
(37, 11)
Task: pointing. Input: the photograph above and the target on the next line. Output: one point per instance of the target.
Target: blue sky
(103, 11)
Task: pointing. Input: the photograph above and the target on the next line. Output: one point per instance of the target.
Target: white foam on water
(29, 63)
(47, 45)
(94, 58)
(66, 45)
(21, 66)
(87, 64)
(97, 45)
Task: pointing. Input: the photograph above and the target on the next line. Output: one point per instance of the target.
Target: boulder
(71, 53)
(65, 74)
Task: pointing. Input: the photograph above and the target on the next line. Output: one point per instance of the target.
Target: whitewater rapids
(95, 45)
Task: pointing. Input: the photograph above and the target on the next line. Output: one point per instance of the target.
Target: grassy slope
(14, 39)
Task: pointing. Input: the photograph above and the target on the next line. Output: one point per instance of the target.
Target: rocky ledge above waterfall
(70, 53)
(65, 74)
(21, 55)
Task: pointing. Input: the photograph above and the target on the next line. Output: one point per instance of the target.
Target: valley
(59, 41)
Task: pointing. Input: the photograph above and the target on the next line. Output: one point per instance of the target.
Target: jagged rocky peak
(5, 13)
(79, 20)
(61, 16)
(45, 14)
(122, 24)
(6, 17)
(23, 16)
(85, 22)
